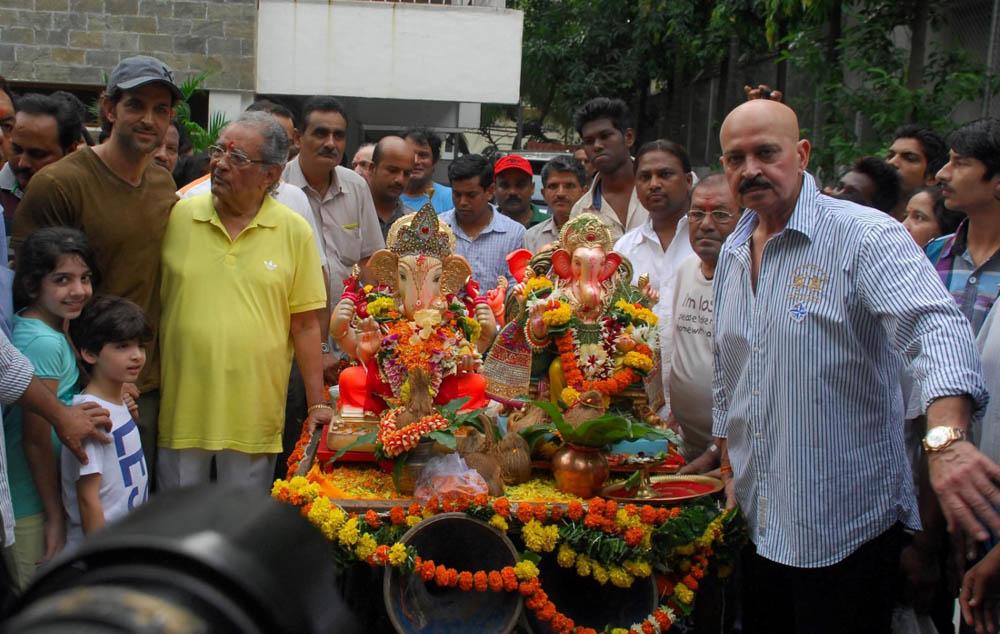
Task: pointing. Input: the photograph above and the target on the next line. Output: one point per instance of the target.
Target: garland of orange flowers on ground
(542, 527)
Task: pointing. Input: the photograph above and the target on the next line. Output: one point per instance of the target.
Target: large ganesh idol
(587, 316)
(422, 313)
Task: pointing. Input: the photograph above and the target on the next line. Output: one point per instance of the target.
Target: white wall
(389, 50)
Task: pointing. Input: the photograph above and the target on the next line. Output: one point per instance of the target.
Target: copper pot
(580, 471)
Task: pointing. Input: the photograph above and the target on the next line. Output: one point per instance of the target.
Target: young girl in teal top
(53, 282)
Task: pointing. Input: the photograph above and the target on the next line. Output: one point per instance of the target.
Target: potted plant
(580, 466)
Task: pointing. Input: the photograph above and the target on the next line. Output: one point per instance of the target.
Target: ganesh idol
(583, 314)
(422, 313)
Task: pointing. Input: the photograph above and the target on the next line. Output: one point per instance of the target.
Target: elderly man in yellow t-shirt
(241, 289)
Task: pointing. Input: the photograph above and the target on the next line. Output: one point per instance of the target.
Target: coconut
(514, 456)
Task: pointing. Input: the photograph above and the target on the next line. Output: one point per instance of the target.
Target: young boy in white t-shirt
(110, 334)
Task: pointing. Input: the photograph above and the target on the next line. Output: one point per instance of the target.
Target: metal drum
(456, 541)
(590, 604)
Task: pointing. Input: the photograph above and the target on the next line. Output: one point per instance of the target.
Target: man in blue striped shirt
(817, 303)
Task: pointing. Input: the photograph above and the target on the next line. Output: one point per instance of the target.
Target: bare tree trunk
(918, 47)
(516, 145)
(834, 29)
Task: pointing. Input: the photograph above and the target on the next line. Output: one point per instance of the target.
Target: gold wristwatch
(941, 437)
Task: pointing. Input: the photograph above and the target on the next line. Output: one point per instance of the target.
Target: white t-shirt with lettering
(690, 381)
(121, 463)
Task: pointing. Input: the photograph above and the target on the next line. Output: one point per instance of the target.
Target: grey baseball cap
(140, 70)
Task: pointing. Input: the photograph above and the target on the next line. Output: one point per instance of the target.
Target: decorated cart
(486, 518)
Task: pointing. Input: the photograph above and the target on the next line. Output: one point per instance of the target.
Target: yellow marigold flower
(540, 539)
(278, 487)
(525, 570)
(566, 557)
(397, 554)
(599, 572)
(538, 283)
(381, 306)
(498, 522)
(557, 316)
(639, 361)
(366, 546)
(625, 520)
(368, 288)
(638, 568)
(569, 396)
(683, 593)
(619, 630)
(620, 578)
(583, 566)
(413, 520)
(348, 533)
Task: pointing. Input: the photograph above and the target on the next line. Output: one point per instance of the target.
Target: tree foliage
(859, 72)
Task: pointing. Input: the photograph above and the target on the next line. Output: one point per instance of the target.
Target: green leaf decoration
(445, 438)
(362, 440)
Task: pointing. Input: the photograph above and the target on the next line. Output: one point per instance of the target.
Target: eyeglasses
(236, 157)
(718, 215)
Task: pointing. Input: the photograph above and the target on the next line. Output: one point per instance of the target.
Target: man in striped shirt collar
(818, 302)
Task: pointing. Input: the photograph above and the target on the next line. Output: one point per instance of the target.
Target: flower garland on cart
(601, 539)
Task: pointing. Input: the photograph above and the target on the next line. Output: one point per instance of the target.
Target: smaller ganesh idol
(421, 315)
(586, 316)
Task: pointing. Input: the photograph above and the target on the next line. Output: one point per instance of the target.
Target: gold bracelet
(319, 406)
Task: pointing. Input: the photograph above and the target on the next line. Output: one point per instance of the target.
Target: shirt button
(972, 280)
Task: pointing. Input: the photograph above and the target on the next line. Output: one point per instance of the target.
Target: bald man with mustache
(818, 305)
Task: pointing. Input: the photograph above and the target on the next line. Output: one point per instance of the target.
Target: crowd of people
(820, 347)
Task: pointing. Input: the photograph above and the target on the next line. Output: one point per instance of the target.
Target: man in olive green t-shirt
(121, 200)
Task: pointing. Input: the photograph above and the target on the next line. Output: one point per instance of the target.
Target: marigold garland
(359, 535)
(620, 379)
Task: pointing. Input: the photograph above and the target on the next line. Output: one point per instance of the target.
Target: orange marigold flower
(547, 612)
(495, 581)
(647, 628)
(525, 512)
(452, 577)
(441, 576)
(662, 515)
(675, 512)
(446, 506)
(697, 572)
(481, 499)
(662, 619)
(397, 515)
(501, 506)
(575, 511)
(527, 588)
(414, 509)
(432, 505)
(690, 582)
(372, 518)
(558, 623)
(427, 570)
(647, 514)
(631, 509)
(541, 513)
(465, 581)
(596, 505)
(593, 520)
(610, 509)
(633, 536)
(555, 513)
(480, 581)
(381, 555)
(510, 584)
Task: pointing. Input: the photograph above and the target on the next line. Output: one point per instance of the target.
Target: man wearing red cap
(514, 187)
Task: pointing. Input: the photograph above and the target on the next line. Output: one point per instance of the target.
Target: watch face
(938, 436)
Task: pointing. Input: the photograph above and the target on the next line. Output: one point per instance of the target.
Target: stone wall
(79, 41)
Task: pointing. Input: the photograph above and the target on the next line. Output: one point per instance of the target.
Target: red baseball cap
(513, 162)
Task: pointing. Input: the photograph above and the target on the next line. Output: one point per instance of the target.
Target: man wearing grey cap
(121, 200)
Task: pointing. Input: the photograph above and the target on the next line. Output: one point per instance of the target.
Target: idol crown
(422, 236)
